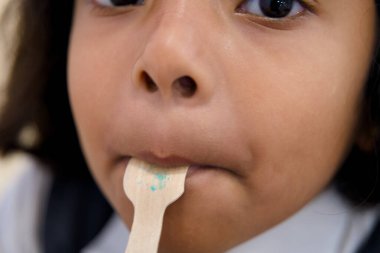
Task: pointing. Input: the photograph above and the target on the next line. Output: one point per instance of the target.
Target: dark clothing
(76, 212)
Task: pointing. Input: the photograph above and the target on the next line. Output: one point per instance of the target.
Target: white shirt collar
(327, 224)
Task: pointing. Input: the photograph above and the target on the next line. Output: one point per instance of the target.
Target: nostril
(150, 85)
(186, 86)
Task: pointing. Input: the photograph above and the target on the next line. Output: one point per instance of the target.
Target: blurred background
(9, 167)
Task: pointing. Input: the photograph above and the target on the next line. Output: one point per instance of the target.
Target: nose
(172, 64)
(184, 86)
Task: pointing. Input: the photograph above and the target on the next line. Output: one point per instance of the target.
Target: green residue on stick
(162, 178)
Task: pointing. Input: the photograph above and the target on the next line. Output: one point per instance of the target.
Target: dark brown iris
(276, 8)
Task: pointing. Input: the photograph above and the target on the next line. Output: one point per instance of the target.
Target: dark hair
(37, 98)
(36, 94)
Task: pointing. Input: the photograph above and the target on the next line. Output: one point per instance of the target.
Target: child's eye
(272, 8)
(112, 3)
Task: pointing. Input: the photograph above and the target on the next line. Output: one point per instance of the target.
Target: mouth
(173, 161)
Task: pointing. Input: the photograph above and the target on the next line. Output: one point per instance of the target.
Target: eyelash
(102, 9)
(297, 8)
(138, 2)
(284, 23)
(306, 5)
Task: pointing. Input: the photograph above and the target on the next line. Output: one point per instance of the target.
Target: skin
(277, 105)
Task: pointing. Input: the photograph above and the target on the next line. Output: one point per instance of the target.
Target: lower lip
(192, 170)
(195, 169)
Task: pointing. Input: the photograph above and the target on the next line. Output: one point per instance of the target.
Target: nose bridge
(172, 52)
(175, 28)
(173, 41)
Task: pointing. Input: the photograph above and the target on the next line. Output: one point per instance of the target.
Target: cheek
(94, 91)
(99, 77)
(299, 108)
(92, 95)
(86, 100)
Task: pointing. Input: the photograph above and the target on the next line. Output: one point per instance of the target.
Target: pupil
(124, 2)
(276, 8)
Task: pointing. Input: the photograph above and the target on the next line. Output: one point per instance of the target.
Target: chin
(201, 222)
(187, 230)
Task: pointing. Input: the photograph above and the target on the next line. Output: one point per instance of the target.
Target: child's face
(276, 105)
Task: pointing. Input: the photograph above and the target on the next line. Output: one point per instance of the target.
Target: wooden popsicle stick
(151, 189)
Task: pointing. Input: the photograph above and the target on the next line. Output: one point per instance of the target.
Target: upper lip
(166, 161)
